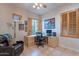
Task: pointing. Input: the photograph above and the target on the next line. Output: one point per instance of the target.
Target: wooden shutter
(40, 24)
(29, 24)
(64, 23)
(70, 23)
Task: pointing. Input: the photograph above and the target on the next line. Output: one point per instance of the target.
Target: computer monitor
(49, 32)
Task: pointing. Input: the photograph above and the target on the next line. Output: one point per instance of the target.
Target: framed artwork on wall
(49, 23)
(25, 26)
(16, 17)
(21, 27)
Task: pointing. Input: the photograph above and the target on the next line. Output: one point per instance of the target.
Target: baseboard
(68, 48)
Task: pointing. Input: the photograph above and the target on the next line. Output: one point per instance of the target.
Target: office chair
(39, 39)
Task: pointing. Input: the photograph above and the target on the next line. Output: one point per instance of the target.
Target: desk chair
(39, 39)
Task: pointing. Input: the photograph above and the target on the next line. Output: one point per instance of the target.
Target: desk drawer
(53, 42)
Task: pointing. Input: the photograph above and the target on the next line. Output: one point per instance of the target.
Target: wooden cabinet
(70, 23)
(52, 42)
(29, 41)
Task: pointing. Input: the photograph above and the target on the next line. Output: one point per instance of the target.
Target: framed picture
(16, 17)
(25, 26)
(21, 27)
(25, 22)
(49, 23)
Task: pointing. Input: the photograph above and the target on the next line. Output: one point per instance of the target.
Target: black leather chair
(7, 50)
(14, 50)
(39, 39)
(11, 50)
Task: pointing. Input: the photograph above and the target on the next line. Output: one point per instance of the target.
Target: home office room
(39, 29)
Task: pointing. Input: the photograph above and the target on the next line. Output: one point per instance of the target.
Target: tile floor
(48, 51)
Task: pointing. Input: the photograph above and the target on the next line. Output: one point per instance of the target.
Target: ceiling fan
(39, 6)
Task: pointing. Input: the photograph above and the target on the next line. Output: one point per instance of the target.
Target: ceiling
(50, 6)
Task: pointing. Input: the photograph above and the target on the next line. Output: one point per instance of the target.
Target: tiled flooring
(48, 51)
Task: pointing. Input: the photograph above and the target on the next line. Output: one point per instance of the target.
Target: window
(70, 23)
(34, 26)
(64, 23)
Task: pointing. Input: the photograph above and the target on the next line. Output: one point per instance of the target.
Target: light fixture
(34, 6)
(39, 6)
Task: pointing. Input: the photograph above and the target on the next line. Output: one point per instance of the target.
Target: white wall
(25, 15)
(71, 43)
(5, 17)
(6, 11)
(54, 14)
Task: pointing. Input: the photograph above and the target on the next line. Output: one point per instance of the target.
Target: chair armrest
(8, 50)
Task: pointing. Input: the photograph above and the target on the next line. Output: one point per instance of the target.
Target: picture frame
(25, 26)
(21, 27)
(16, 16)
(49, 23)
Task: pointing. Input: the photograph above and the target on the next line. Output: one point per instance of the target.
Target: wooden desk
(29, 41)
(50, 41)
(45, 40)
(53, 42)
